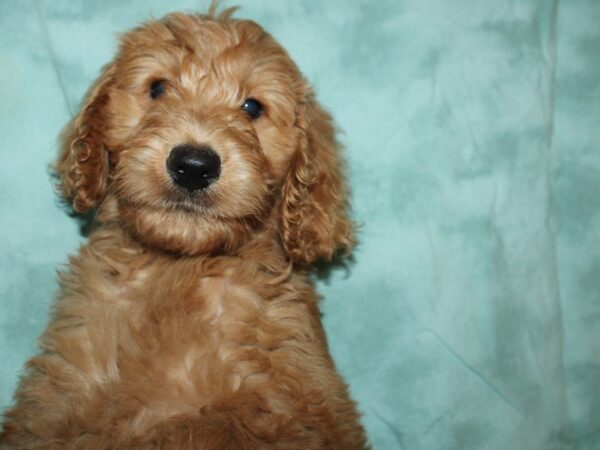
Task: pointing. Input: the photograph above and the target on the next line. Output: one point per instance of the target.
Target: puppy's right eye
(157, 88)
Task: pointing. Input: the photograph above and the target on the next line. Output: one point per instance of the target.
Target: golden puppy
(188, 319)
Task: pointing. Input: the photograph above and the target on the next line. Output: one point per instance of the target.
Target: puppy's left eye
(253, 108)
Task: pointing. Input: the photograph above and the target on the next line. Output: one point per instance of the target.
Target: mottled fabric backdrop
(470, 318)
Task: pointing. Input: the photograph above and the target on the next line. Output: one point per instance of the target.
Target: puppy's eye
(253, 108)
(157, 88)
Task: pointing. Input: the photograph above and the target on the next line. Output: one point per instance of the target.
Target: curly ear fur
(82, 164)
(314, 221)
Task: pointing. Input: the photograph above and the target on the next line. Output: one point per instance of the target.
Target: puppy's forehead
(179, 38)
(195, 33)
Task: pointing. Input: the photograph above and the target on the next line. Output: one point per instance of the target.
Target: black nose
(193, 167)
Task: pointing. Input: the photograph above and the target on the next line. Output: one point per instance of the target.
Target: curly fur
(189, 321)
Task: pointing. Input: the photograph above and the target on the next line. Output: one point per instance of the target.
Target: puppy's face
(200, 130)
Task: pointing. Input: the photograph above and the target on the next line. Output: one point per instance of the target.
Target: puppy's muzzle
(193, 167)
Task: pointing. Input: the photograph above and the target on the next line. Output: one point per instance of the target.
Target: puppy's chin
(186, 232)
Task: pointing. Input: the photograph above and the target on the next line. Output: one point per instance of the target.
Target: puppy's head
(201, 131)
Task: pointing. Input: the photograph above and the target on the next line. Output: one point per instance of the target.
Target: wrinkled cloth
(469, 317)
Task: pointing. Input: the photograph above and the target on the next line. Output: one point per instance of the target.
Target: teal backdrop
(470, 317)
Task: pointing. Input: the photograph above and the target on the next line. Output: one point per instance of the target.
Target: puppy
(188, 321)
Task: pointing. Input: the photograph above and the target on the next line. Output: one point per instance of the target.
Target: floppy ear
(314, 220)
(82, 164)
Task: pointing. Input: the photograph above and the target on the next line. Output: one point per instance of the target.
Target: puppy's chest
(192, 309)
(200, 330)
(189, 341)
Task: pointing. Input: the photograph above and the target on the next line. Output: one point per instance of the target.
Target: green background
(470, 318)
